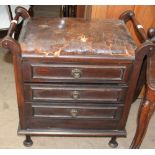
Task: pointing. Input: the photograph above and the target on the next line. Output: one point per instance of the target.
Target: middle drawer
(84, 93)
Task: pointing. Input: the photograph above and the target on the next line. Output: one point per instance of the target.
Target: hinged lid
(56, 37)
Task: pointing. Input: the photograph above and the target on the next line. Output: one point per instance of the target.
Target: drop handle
(75, 95)
(76, 73)
(73, 112)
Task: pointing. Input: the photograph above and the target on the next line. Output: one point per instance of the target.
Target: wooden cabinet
(74, 76)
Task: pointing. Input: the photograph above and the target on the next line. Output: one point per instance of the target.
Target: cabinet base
(73, 132)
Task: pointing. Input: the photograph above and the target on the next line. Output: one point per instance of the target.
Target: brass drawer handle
(74, 112)
(76, 73)
(75, 95)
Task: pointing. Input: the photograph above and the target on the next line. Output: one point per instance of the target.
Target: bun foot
(113, 143)
(28, 142)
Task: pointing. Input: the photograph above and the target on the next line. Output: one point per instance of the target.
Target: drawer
(75, 93)
(76, 73)
(86, 112)
(73, 117)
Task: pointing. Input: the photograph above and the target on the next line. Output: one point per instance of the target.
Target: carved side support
(14, 47)
(146, 109)
(130, 15)
(20, 12)
(147, 49)
(8, 42)
(11, 44)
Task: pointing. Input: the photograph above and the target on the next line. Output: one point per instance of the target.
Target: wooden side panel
(80, 11)
(114, 11)
(99, 11)
(88, 11)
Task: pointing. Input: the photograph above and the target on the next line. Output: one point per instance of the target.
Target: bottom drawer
(73, 117)
(76, 112)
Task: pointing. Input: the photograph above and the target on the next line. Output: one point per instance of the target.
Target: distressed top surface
(55, 37)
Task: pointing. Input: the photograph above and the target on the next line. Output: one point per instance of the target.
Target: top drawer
(41, 72)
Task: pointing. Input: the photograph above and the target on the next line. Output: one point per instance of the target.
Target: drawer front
(76, 73)
(84, 93)
(73, 117)
(108, 112)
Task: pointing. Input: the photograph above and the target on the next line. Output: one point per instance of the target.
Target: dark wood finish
(145, 50)
(151, 34)
(75, 76)
(90, 93)
(69, 37)
(82, 112)
(45, 116)
(80, 11)
(129, 15)
(44, 72)
(19, 26)
(68, 10)
(73, 132)
(147, 106)
(141, 80)
(113, 143)
(11, 44)
(28, 142)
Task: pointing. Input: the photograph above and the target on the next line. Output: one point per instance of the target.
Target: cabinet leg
(28, 142)
(113, 143)
(145, 112)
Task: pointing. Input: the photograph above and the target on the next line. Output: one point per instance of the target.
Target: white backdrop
(5, 15)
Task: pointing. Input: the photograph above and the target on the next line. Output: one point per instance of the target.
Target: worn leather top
(71, 36)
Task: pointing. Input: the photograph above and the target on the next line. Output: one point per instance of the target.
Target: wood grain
(99, 12)
(144, 14)
(80, 11)
(111, 11)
